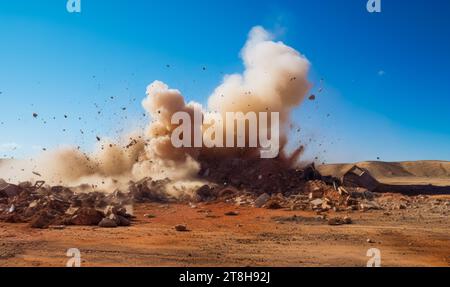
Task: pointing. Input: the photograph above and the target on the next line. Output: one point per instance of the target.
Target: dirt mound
(258, 176)
(382, 170)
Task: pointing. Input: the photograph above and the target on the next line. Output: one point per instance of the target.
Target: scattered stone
(315, 194)
(107, 223)
(123, 221)
(326, 205)
(273, 204)
(267, 184)
(299, 219)
(370, 205)
(261, 200)
(87, 216)
(335, 221)
(244, 200)
(348, 220)
(181, 228)
(36, 173)
(316, 202)
(42, 220)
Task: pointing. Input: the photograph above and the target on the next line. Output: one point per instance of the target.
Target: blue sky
(386, 88)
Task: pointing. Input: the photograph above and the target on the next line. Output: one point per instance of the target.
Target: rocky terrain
(259, 213)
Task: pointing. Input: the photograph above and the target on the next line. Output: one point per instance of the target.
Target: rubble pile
(269, 184)
(43, 206)
(434, 205)
(148, 190)
(317, 196)
(273, 184)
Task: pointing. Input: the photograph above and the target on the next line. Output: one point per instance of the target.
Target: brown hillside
(414, 172)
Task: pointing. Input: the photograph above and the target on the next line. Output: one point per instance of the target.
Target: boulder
(261, 200)
(273, 204)
(107, 223)
(232, 213)
(181, 228)
(42, 219)
(334, 221)
(87, 216)
(348, 220)
(123, 221)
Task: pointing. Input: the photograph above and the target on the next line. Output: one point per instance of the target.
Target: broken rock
(370, 205)
(9, 190)
(335, 221)
(348, 220)
(316, 202)
(261, 200)
(273, 204)
(107, 223)
(87, 216)
(181, 228)
(123, 221)
(42, 220)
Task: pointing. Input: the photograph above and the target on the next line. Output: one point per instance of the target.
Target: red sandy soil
(255, 237)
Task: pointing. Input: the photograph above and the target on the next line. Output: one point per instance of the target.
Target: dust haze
(274, 80)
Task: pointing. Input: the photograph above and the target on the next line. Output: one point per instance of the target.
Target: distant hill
(413, 172)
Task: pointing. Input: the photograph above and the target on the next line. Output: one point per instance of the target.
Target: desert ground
(408, 231)
(255, 237)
